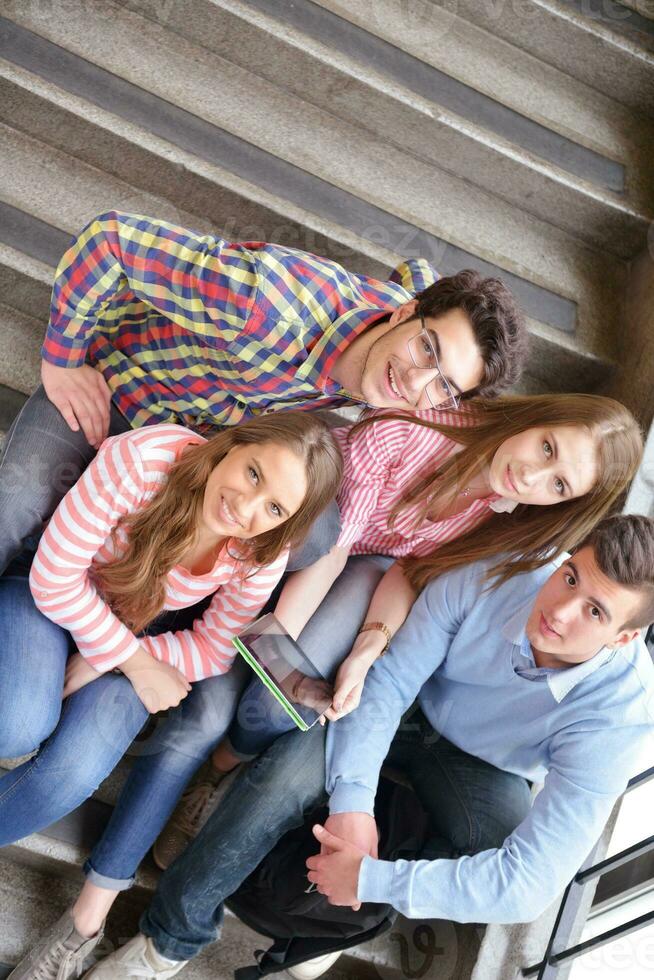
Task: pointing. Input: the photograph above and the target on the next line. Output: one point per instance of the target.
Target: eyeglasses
(423, 354)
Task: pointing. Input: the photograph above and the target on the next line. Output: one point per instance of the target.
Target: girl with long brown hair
(166, 547)
(515, 481)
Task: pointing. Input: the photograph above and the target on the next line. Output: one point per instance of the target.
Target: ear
(626, 636)
(404, 312)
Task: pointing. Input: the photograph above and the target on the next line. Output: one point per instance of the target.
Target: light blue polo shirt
(583, 730)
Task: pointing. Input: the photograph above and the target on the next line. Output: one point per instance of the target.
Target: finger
(99, 409)
(325, 837)
(314, 862)
(150, 702)
(104, 405)
(341, 695)
(66, 409)
(103, 387)
(322, 720)
(86, 417)
(332, 715)
(356, 906)
(97, 412)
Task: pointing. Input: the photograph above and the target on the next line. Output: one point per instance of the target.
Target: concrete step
(471, 220)
(21, 337)
(374, 218)
(33, 895)
(606, 45)
(471, 52)
(186, 171)
(333, 63)
(73, 191)
(25, 281)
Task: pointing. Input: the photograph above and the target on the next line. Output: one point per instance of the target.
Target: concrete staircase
(513, 137)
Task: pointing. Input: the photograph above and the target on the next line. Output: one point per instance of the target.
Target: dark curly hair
(498, 324)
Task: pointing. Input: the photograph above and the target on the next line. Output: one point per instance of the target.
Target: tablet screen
(285, 669)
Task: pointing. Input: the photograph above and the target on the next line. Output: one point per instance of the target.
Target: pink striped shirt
(380, 462)
(126, 473)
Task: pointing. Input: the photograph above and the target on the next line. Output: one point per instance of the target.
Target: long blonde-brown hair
(530, 536)
(159, 534)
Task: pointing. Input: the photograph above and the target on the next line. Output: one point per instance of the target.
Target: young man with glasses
(155, 323)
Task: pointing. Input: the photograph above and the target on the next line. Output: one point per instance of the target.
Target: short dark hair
(623, 546)
(498, 324)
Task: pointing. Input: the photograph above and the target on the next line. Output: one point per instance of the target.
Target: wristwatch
(383, 628)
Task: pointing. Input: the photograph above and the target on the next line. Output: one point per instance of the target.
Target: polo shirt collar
(562, 680)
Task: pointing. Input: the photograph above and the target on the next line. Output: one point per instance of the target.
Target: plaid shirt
(189, 328)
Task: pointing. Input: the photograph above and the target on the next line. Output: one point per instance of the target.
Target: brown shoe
(196, 805)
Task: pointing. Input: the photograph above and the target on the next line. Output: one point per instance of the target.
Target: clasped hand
(157, 685)
(345, 840)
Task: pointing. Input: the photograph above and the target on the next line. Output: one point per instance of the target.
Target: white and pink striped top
(380, 462)
(126, 473)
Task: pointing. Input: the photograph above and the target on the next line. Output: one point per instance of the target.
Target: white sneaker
(313, 968)
(136, 960)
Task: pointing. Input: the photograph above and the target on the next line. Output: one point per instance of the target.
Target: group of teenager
(447, 561)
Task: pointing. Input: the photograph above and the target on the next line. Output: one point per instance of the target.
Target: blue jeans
(470, 804)
(327, 639)
(85, 737)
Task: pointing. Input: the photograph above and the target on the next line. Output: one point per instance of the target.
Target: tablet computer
(285, 669)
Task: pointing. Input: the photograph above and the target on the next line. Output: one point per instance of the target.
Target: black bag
(278, 901)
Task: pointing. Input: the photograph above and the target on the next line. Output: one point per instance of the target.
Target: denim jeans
(471, 806)
(164, 763)
(85, 737)
(42, 459)
(327, 639)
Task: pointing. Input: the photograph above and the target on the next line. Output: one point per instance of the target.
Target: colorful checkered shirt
(190, 328)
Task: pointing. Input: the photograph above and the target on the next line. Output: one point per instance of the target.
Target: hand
(358, 829)
(158, 685)
(348, 686)
(82, 396)
(336, 873)
(311, 692)
(79, 673)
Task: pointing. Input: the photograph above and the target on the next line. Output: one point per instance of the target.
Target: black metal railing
(557, 954)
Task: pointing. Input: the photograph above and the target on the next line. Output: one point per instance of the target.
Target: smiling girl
(160, 521)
